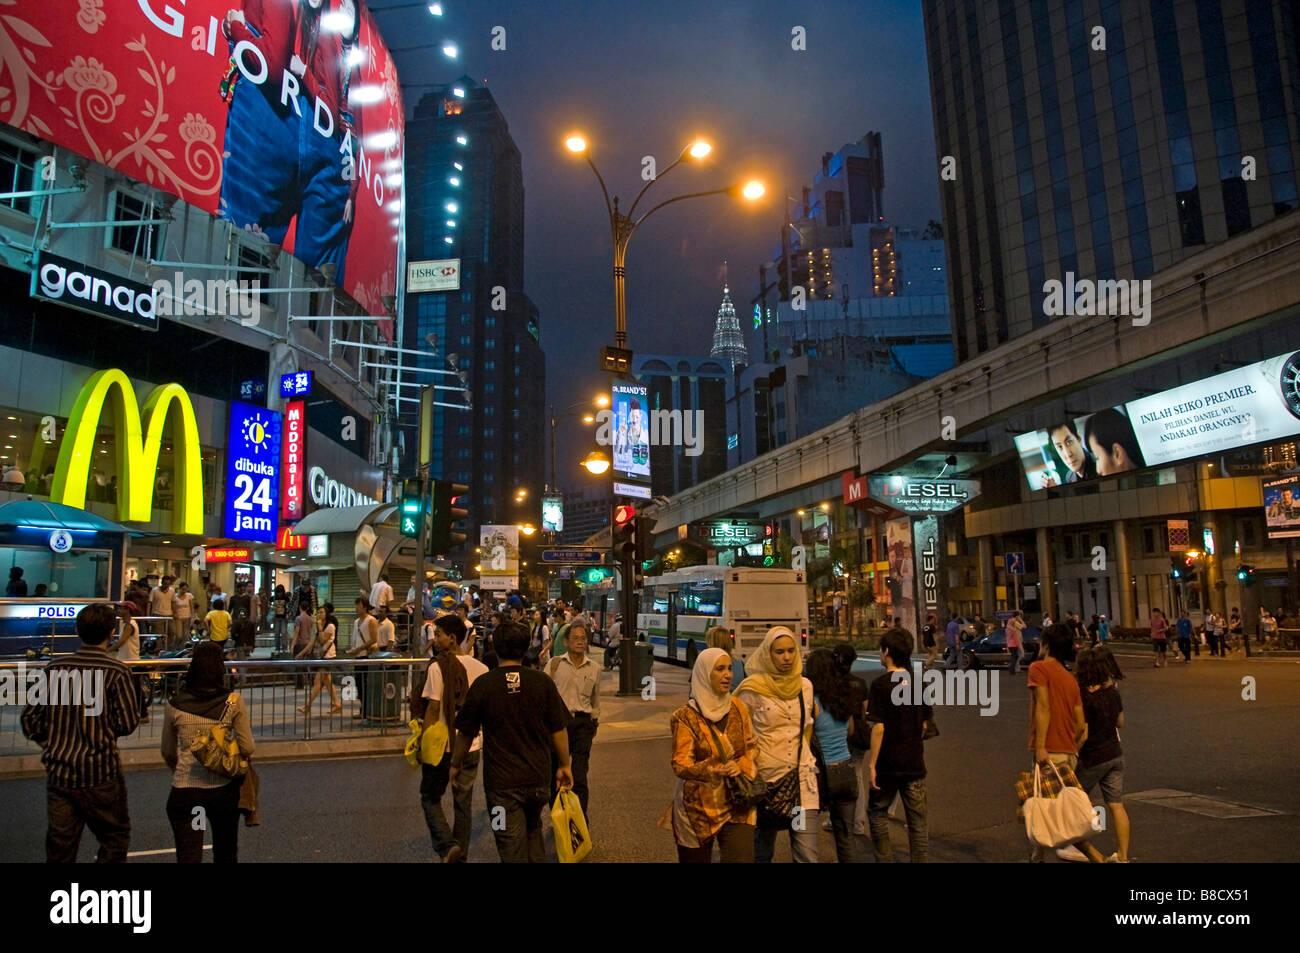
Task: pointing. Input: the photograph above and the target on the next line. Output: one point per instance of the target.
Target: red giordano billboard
(284, 117)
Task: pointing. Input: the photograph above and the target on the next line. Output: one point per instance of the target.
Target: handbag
(1057, 821)
(433, 744)
(216, 748)
(841, 781)
(782, 795)
(743, 792)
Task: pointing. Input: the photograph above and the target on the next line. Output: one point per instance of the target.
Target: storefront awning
(339, 519)
(39, 514)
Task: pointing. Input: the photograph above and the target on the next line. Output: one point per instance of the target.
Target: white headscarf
(713, 705)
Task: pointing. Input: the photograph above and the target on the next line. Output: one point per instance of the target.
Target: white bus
(677, 608)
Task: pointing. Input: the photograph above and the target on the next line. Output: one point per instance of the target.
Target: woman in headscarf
(719, 638)
(713, 739)
(197, 706)
(780, 700)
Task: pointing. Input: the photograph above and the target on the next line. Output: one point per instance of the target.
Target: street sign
(1015, 563)
(578, 556)
(1002, 615)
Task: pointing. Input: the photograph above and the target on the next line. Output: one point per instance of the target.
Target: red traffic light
(624, 514)
(767, 530)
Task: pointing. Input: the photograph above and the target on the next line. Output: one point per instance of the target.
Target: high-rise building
(688, 418)
(728, 340)
(1107, 140)
(465, 200)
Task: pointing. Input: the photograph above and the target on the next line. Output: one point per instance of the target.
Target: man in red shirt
(1056, 724)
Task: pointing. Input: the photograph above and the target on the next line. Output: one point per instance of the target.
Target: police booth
(55, 561)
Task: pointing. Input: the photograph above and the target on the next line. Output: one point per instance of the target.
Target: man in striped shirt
(87, 703)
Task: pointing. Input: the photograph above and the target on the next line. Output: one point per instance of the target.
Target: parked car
(991, 651)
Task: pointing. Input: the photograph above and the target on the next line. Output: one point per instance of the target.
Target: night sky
(644, 79)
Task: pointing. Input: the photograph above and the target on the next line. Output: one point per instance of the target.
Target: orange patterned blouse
(700, 806)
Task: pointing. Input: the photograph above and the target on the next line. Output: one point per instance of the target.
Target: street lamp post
(622, 226)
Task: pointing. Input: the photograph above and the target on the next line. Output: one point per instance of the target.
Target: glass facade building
(1105, 139)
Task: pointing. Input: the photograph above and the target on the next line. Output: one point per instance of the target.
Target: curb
(14, 767)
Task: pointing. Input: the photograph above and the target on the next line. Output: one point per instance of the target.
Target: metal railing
(273, 691)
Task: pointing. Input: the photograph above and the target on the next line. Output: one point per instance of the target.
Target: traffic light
(410, 516)
(1246, 574)
(625, 533)
(1177, 567)
(446, 513)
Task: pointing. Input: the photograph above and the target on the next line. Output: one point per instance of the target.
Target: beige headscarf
(714, 706)
(761, 674)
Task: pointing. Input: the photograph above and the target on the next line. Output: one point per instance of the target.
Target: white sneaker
(1071, 853)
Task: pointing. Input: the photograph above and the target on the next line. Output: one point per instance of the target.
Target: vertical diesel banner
(931, 585)
(252, 473)
(294, 464)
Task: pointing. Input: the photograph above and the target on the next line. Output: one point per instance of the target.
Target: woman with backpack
(837, 703)
(327, 628)
(1101, 759)
(202, 703)
(713, 745)
(780, 701)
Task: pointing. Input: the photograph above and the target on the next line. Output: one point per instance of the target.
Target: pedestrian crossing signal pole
(624, 530)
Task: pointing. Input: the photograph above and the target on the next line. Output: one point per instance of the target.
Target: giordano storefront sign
(137, 445)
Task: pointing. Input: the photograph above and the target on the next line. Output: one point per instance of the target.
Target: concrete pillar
(1046, 573)
(1124, 574)
(988, 580)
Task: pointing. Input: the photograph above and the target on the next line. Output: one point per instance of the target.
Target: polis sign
(910, 494)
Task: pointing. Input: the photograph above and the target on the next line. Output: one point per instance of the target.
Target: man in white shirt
(381, 593)
(577, 679)
(387, 631)
(451, 844)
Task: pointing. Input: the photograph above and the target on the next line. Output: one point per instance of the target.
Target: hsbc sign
(439, 275)
(921, 495)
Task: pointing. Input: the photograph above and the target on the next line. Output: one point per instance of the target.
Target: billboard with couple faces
(284, 117)
(1240, 407)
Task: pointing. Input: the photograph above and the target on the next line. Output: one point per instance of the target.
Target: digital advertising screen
(1247, 405)
(552, 514)
(1282, 507)
(631, 433)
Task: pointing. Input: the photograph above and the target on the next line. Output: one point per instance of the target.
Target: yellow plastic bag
(572, 839)
(434, 743)
(412, 751)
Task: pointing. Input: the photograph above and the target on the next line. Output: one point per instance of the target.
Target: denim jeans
(918, 831)
(517, 826)
(220, 815)
(1017, 653)
(850, 848)
(433, 784)
(102, 807)
(804, 840)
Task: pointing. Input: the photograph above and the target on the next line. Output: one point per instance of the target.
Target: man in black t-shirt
(896, 764)
(523, 719)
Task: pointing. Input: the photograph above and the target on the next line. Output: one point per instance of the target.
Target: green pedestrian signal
(410, 520)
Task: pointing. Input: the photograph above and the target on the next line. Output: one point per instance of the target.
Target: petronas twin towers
(728, 341)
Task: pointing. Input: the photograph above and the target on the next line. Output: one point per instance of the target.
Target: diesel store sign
(921, 495)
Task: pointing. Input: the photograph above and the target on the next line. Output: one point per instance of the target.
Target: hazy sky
(644, 79)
